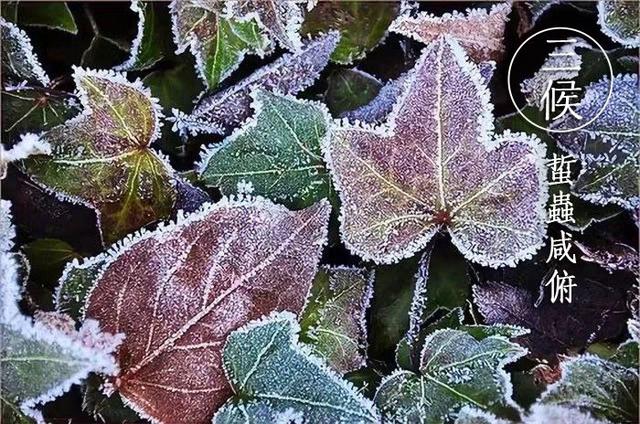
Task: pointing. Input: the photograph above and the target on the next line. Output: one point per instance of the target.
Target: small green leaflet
(19, 63)
(41, 358)
(455, 370)
(277, 151)
(334, 319)
(362, 25)
(152, 42)
(75, 283)
(595, 385)
(51, 14)
(275, 379)
(218, 43)
(349, 89)
(619, 20)
(102, 157)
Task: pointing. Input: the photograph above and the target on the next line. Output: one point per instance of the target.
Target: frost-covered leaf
(276, 379)
(281, 19)
(103, 408)
(74, 285)
(435, 164)
(334, 319)
(152, 42)
(471, 415)
(349, 89)
(35, 109)
(597, 386)
(377, 110)
(187, 285)
(7, 230)
(529, 12)
(362, 25)
(218, 43)
(544, 414)
(455, 370)
(612, 257)
(619, 20)
(479, 31)
(51, 14)
(563, 63)
(19, 63)
(609, 147)
(596, 313)
(290, 74)
(102, 157)
(278, 152)
(41, 359)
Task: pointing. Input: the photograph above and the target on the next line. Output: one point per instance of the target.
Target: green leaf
(75, 283)
(595, 385)
(153, 41)
(334, 319)
(51, 14)
(362, 25)
(103, 408)
(102, 158)
(49, 255)
(277, 151)
(103, 52)
(19, 62)
(349, 89)
(218, 44)
(274, 378)
(455, 370)
(35, 109)
(619, 20)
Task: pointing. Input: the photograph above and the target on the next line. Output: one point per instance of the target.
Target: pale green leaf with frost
(603, 388)
(75, 283)
(455, 370)
(274, 377)
(334, 319)
(278, 152)
(619, 19)
(19, 62)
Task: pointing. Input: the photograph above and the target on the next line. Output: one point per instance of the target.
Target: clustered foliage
(292, 211)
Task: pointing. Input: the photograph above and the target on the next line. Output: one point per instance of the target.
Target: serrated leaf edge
(604, 27)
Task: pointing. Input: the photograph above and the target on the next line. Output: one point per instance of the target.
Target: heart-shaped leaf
(455, 370)
(281, 19)
(152, 42)
(619, 20)
(290, 74)
(188, 285)
(217, 42)
(19, 63)
(479, 31)
(102, 157)
(334, 318)
(275, 379)
(608, 147)
(278, 152)
(434, 165)
(601, 387)
(362, 25)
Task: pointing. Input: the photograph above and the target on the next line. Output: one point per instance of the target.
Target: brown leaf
(178, 292)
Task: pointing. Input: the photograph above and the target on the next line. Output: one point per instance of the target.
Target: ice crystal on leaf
(19, 63)
(276, 379)
(281, 19)
(218, 42)
(278, 151)
(334, 318)
(619, 20)
(221, 112)
(102, 157)
(479, 31)
(529, 12)
(41, 358)
(471, 415)
(608, 147)
(612, 256)
(178, 292)
(456, 370)
(603, 388)
(435, 164)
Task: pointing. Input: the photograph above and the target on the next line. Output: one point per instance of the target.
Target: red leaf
(178, 292)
